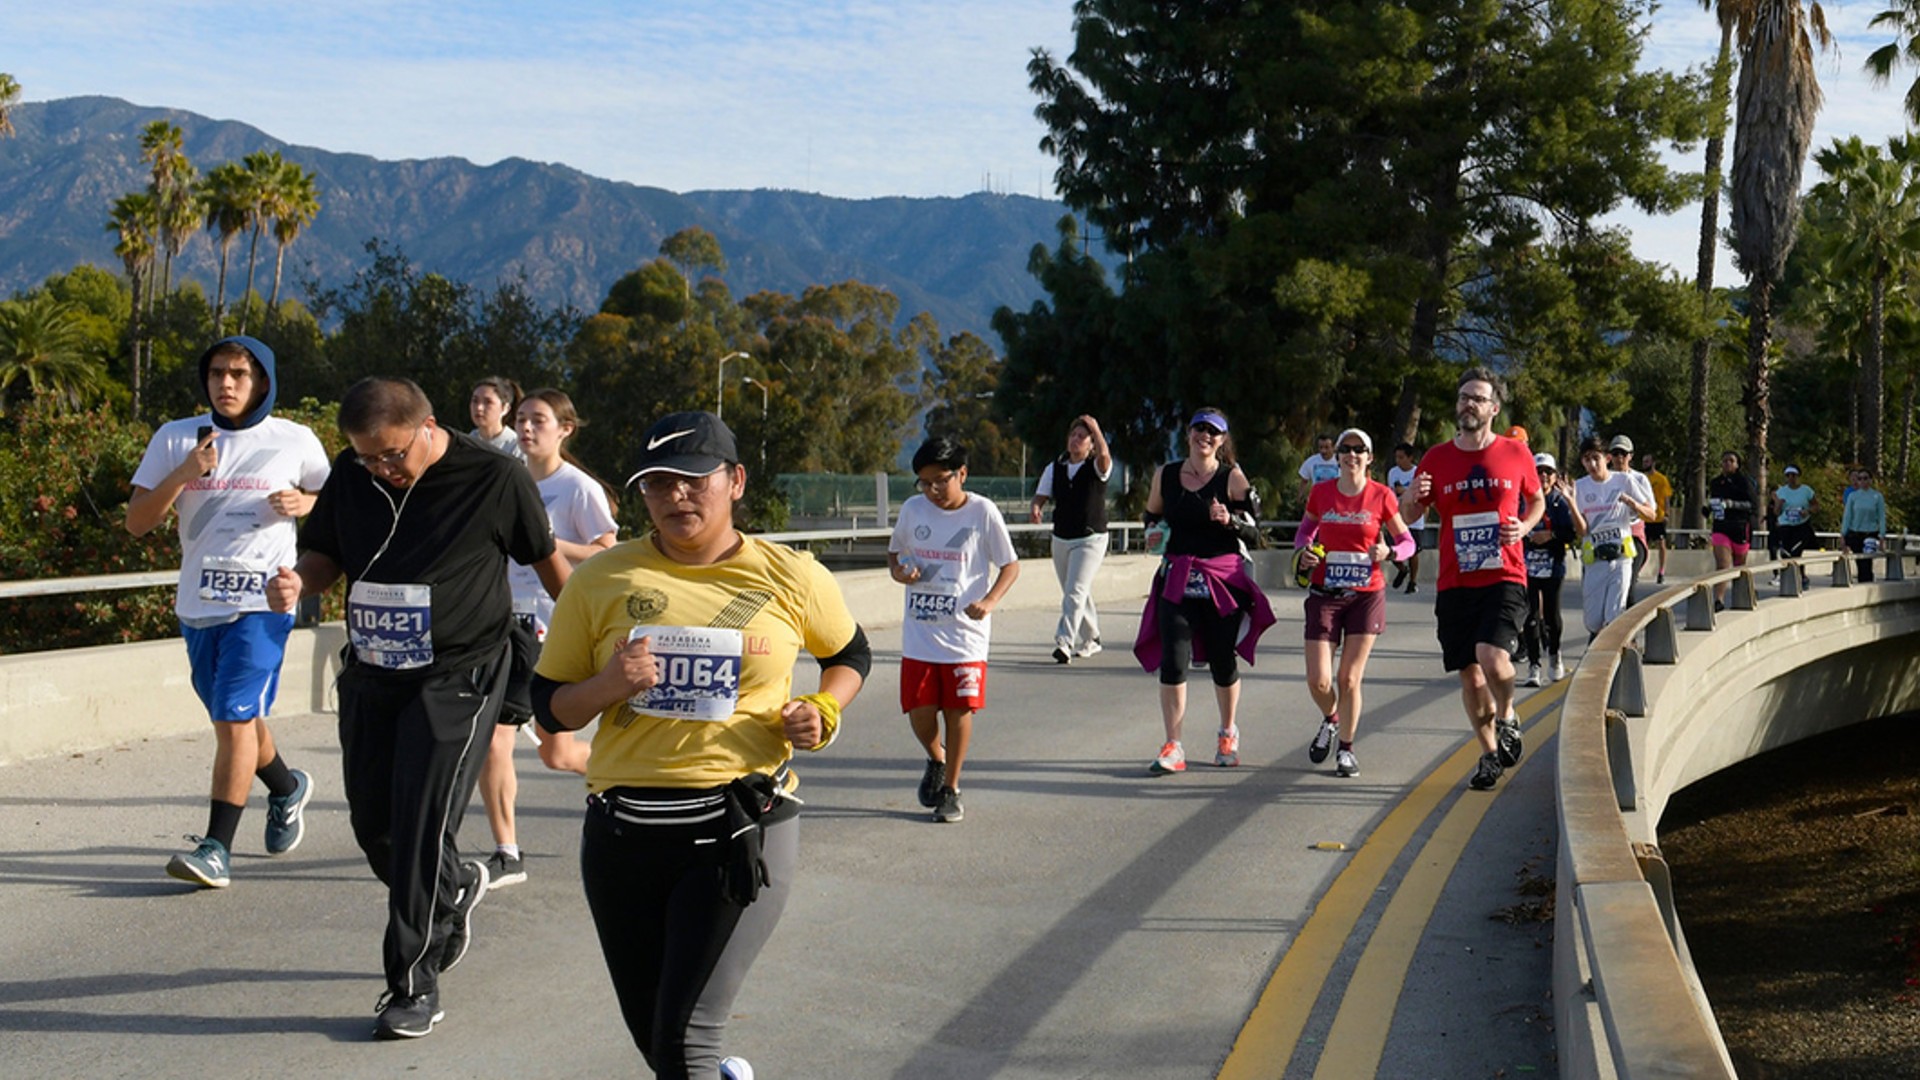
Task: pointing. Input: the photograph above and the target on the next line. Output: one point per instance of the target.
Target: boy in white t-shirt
(942, 547)
(1400, 478)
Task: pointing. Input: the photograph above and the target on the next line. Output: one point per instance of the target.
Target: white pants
(1603, 591)
(1075, 562)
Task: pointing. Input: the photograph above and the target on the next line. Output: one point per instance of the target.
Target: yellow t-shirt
(726, 638)
(1662, 493)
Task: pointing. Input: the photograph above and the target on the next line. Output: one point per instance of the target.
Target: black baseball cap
(687, 443)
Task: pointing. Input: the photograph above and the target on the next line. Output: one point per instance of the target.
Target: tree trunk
(220, 292)
(279, 261)
(253, 248)
(1873, 375)
(1758, 395)
(133, 332)
(1406, 415)
(1694, 471)
(1906, 425)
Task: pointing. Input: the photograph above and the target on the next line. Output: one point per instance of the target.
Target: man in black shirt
(421, 521)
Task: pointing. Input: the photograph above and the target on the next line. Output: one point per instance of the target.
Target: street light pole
(751, 381)
(720, 383)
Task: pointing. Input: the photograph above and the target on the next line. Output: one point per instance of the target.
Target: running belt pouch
(749, 799)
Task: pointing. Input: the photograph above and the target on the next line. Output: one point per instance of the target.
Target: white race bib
(391, 626)
(699, 673)
(1792, 515)
(1539, 562)
(1476, 541)
(226, 580)
(1197, 587)
(1347, 570)
(932, 601)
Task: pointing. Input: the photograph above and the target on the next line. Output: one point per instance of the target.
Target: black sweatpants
(1544, 624)
(412, 749)
(676, 948)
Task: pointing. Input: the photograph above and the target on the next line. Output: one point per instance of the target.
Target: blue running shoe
(206, 865)
(285, 823)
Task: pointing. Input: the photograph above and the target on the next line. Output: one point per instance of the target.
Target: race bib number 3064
(699, 670)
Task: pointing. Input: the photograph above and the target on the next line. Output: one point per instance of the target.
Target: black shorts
(1656, 531)
(1483, 614)
(517, 708)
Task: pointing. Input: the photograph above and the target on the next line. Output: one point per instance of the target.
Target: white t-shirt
(1319, 469)
(1608, 518)
(577, 507)
(507, 442)
(231, 538)
(1642, 492)
(1399, 480)
(956, 551)
(1044, 489)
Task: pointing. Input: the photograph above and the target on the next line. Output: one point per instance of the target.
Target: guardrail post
(1743, 596)
(1700, 608)
(1843, 572)
(1896, 567)
(1653, 867)
(1663, 641)
(1626, 790)
(1791, 583)
(1629, 690)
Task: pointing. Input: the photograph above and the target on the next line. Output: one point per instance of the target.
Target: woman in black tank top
(1192, 497)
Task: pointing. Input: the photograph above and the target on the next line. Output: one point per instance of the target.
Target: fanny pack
(735, 814)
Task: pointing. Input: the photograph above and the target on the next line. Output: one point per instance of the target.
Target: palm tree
(1878, 242)
(223, 205)
(9, 97)
(172, 188)
(1729, 13)
(43, 355)
(265, 173)
(134, 222)
(299, 205)
(1778, 98)
(1904, 18)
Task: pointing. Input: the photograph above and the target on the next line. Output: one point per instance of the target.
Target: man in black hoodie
(237, 477)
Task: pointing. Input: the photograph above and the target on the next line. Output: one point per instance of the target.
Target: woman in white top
(494, 403)
(581, 510)
(1608, 506)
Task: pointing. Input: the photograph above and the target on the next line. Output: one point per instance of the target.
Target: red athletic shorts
(953, 687)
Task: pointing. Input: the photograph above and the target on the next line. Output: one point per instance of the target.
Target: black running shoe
(950, 809)
(931, 781)
(1062, 656)
(1323, 741)
(1507, 735)
(473, 887)
(1399, 577)
(399, 1016)
(1488, 774)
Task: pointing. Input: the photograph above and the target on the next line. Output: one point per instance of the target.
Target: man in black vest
(1077, 484)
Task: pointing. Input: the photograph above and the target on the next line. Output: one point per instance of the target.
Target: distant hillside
(570, 234)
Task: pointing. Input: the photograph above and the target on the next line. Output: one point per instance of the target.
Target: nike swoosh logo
(654, 444)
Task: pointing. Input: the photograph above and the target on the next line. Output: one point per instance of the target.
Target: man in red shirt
(1487, 496)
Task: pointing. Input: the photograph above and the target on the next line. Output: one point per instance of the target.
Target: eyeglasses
(391, 458)
(1353, 448)
(1475, 399)
(940, 481)
(677, 486)
(1208, 430)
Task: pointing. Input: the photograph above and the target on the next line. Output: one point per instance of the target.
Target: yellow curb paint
(1272, 1031)
(1359, 1033)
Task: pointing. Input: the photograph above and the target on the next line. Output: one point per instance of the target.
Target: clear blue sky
(854, 98)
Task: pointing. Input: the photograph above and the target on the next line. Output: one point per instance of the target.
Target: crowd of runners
(489, 598)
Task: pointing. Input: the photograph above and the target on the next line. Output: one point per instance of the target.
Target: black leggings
(676, 948)
(1543, 617)
(1178, 624)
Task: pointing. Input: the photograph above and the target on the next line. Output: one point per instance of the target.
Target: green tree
(298, 205)
(9, 98)
(134, 222)
(1877, 240)
(963, 405)
(44, 357)
(1778, 97)
(225, 206)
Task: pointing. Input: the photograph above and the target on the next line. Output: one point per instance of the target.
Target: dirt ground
(1798, 881)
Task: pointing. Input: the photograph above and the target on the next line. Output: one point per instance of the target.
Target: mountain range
(568, 234)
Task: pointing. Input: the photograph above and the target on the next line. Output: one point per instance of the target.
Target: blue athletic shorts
(236, 667)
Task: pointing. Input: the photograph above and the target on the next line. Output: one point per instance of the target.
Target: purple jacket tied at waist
(1231, 589)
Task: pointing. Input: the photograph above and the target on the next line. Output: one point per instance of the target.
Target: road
(1085, 920)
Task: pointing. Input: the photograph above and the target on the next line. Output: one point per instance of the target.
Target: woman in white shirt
(1608, 503)
(581, 510)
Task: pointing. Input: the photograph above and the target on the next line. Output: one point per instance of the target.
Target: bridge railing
(1671, 691)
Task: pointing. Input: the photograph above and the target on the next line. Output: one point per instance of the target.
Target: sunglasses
(1206, 429)
(1353, 448)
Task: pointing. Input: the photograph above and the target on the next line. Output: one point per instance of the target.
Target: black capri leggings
(1178, 624)
(1543, 617)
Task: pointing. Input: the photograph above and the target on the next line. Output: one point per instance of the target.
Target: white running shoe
(1345, 764)
(1559, 669)
(1533, 675)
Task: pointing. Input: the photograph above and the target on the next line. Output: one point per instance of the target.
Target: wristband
(829, 709)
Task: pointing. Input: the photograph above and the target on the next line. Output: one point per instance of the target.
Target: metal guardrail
(1618, 944)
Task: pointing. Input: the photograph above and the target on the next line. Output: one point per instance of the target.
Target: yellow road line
(1359, 1032)
(1267, 1040)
